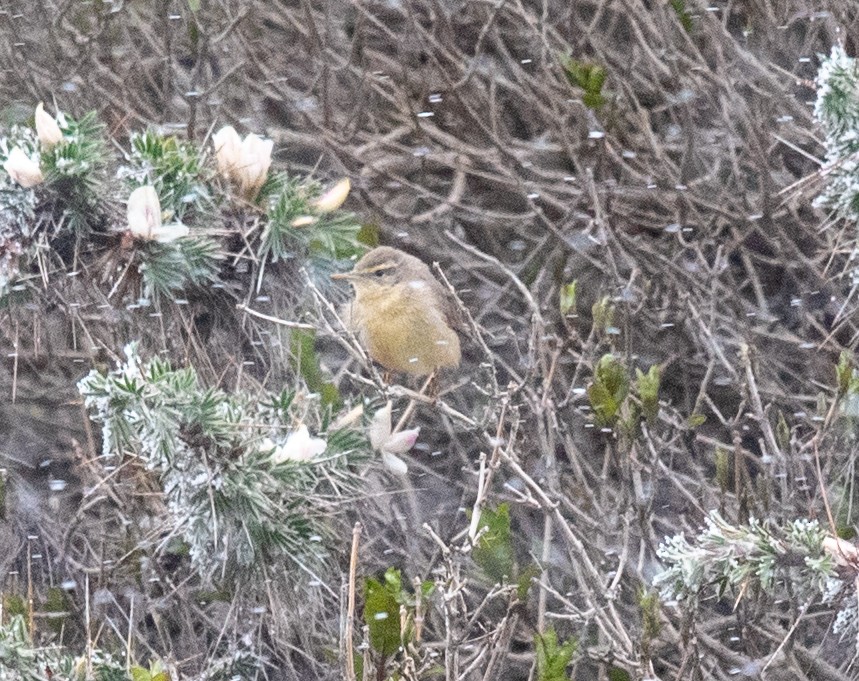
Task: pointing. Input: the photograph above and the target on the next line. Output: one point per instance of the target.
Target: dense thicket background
(684, 200)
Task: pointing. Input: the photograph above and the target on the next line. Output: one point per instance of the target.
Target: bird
(401, 313)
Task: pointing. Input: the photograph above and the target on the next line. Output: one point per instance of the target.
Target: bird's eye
(379, 273)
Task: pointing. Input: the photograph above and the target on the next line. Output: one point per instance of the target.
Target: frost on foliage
(239, 660)
(66, 172)
(837, 113)
(17, 210)
(235, 505)
(727, 557)
(847, 620)
(22, 660)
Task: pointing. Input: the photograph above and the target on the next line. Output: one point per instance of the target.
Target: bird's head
(383, 267)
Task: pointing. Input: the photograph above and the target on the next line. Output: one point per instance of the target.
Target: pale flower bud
(379, 433)
(144, 217)
(303, 221)
(144, 212)
(380, 427)
(167, 233)
(255, 162)
(22, 169)
(299, 446)
(333, 198)
(394, 464)
(228, 151)
(47, 128)
(349, 418)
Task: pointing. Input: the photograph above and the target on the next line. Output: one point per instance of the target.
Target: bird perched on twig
(402, 314)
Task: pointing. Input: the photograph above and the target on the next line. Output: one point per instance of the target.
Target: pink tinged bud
(47, 128)
(254, 165)
(401, 442)
(299, 446)
(394, 464)
(228, 151)
(334, 197)
(22, 169)
(380, 427)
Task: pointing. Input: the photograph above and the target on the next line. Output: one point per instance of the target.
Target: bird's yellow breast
(403, 328)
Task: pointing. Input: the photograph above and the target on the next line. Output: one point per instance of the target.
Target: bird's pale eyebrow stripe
(376, 268)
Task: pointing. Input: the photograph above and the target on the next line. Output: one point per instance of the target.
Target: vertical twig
(350, 611)
(88, 625)
(31, 617)
(128, 641)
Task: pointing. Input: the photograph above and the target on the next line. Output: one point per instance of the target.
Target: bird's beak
(343, 275)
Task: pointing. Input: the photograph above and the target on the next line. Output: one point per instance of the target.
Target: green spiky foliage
(237, 504)
(169, 268)
(327, 236)
(73, 192)
(75, 199)
(25, 139)
(176, 169)
(75, 171)
(837, 112)
(553, 656)
(587, 76)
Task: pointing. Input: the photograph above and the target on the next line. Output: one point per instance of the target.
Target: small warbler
(402, 315)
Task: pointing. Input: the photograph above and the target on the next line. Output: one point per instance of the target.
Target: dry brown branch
(683, 201)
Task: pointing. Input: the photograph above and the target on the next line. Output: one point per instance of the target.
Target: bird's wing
(453, 314)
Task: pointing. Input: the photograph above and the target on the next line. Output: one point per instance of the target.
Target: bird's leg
(428, 382)
(433, 386)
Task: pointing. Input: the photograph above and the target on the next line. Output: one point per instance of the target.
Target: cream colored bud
(350, 418)
(380, 427)
(299, 446)
(394, 464)
(144, 217)
(144, 212)
(303, 221)
(167, 233)
(22, 169)
(228, 151)
(47, 128)
(334, 197)
(266, 445)
(255, 162)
